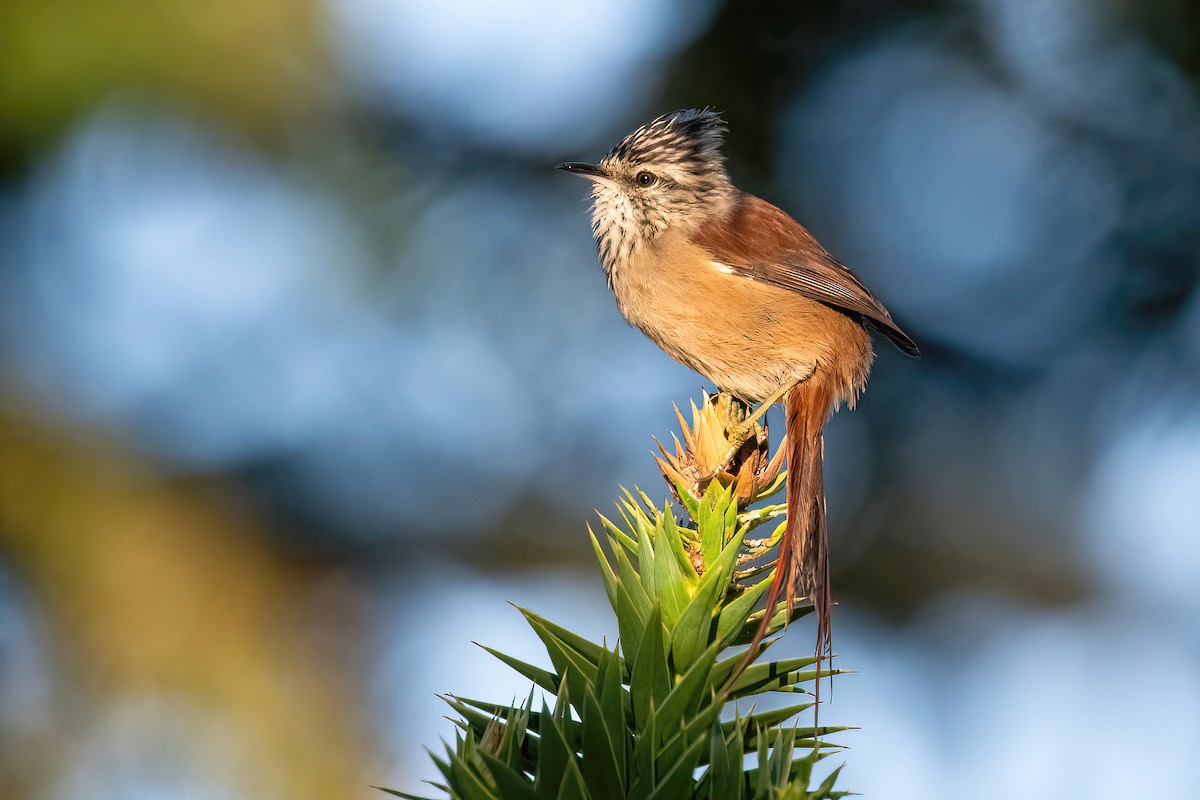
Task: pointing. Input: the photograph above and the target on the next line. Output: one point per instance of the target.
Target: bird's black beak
(589, 171)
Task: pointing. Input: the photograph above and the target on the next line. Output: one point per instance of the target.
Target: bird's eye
(646, 178)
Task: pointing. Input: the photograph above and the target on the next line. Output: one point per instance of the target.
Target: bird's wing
(831, 283)
(761, 242)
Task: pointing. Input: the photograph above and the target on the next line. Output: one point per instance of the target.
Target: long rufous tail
(803, 561)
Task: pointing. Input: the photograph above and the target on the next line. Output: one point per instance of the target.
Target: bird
(731, 286)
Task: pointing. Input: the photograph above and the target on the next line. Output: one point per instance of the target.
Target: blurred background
(307, 367)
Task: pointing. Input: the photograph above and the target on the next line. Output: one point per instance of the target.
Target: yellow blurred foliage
(257, 63)
(171, 590)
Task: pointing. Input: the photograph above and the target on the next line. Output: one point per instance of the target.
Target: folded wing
(760, 242)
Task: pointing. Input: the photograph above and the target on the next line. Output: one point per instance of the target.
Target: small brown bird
(734, 288)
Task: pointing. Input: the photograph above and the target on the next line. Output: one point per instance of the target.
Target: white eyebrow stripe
(723, 268)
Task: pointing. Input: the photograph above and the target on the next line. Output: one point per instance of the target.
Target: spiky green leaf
(543, 678)
(599, 763)
(677, 781)
(650, 681)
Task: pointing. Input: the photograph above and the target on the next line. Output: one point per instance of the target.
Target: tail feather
(803, 561)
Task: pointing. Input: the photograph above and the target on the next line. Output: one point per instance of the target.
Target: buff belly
(747, 337)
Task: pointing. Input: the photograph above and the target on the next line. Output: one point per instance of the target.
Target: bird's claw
(740, 433)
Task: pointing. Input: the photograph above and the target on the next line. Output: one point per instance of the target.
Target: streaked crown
(667, 174)
(684, 145)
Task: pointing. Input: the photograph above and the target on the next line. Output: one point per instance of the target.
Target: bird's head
(667, 174)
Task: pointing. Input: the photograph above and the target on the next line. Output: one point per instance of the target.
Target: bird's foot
(741, 432)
